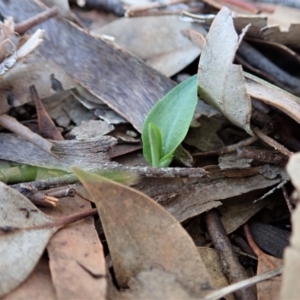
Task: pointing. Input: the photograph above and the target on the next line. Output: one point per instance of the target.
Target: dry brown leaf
(238, 210)
(141, 235)
(76, 255)
(20, 250)
(221, 83)
(156, 284)
(205, 137)
(47, 128)
(157, 40)
(266, 290)
(273, 95)
(37, 286)
(214, 268)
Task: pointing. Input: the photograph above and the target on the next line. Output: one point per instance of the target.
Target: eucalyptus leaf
(221, 83)
(168, 122)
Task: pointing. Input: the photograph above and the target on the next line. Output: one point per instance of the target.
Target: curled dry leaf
(141, 235)
(20, 249)
(270, 94)
(221, 83)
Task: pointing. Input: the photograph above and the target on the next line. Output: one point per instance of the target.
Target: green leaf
(155, 144)
(171, 117)
(166, 160)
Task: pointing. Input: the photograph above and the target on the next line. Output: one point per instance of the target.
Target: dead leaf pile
(82, 215)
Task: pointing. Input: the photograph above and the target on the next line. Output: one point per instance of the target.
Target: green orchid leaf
(155, 144)
(172, 116)
(166, 160)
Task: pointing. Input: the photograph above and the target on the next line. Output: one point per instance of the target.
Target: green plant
(168, 122)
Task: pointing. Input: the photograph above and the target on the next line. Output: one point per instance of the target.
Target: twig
(232, 268)
(12, 124)
(243, 284)
(47, 198)
(266, 156)
(271, 142)
(114, 167)
(60, 222)
(22, 27)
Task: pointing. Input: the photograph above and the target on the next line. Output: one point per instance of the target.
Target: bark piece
(87, 154)
(121, 80)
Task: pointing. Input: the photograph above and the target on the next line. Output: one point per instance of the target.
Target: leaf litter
(144, 247)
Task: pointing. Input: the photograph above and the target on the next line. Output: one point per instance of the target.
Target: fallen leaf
(214, 268)
(20, 250)
(273, 95)
(156, 284)
(157, 40)
(221, 83)
(238, 210)
(266, 289)
(76, 255)
(142, 235)
(205, 137)
(47, 127)
(37, 286)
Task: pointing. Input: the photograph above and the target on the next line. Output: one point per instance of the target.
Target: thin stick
(232, 269)
(243, 284)
(112, 167)
(22, 27)
(271, 142)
